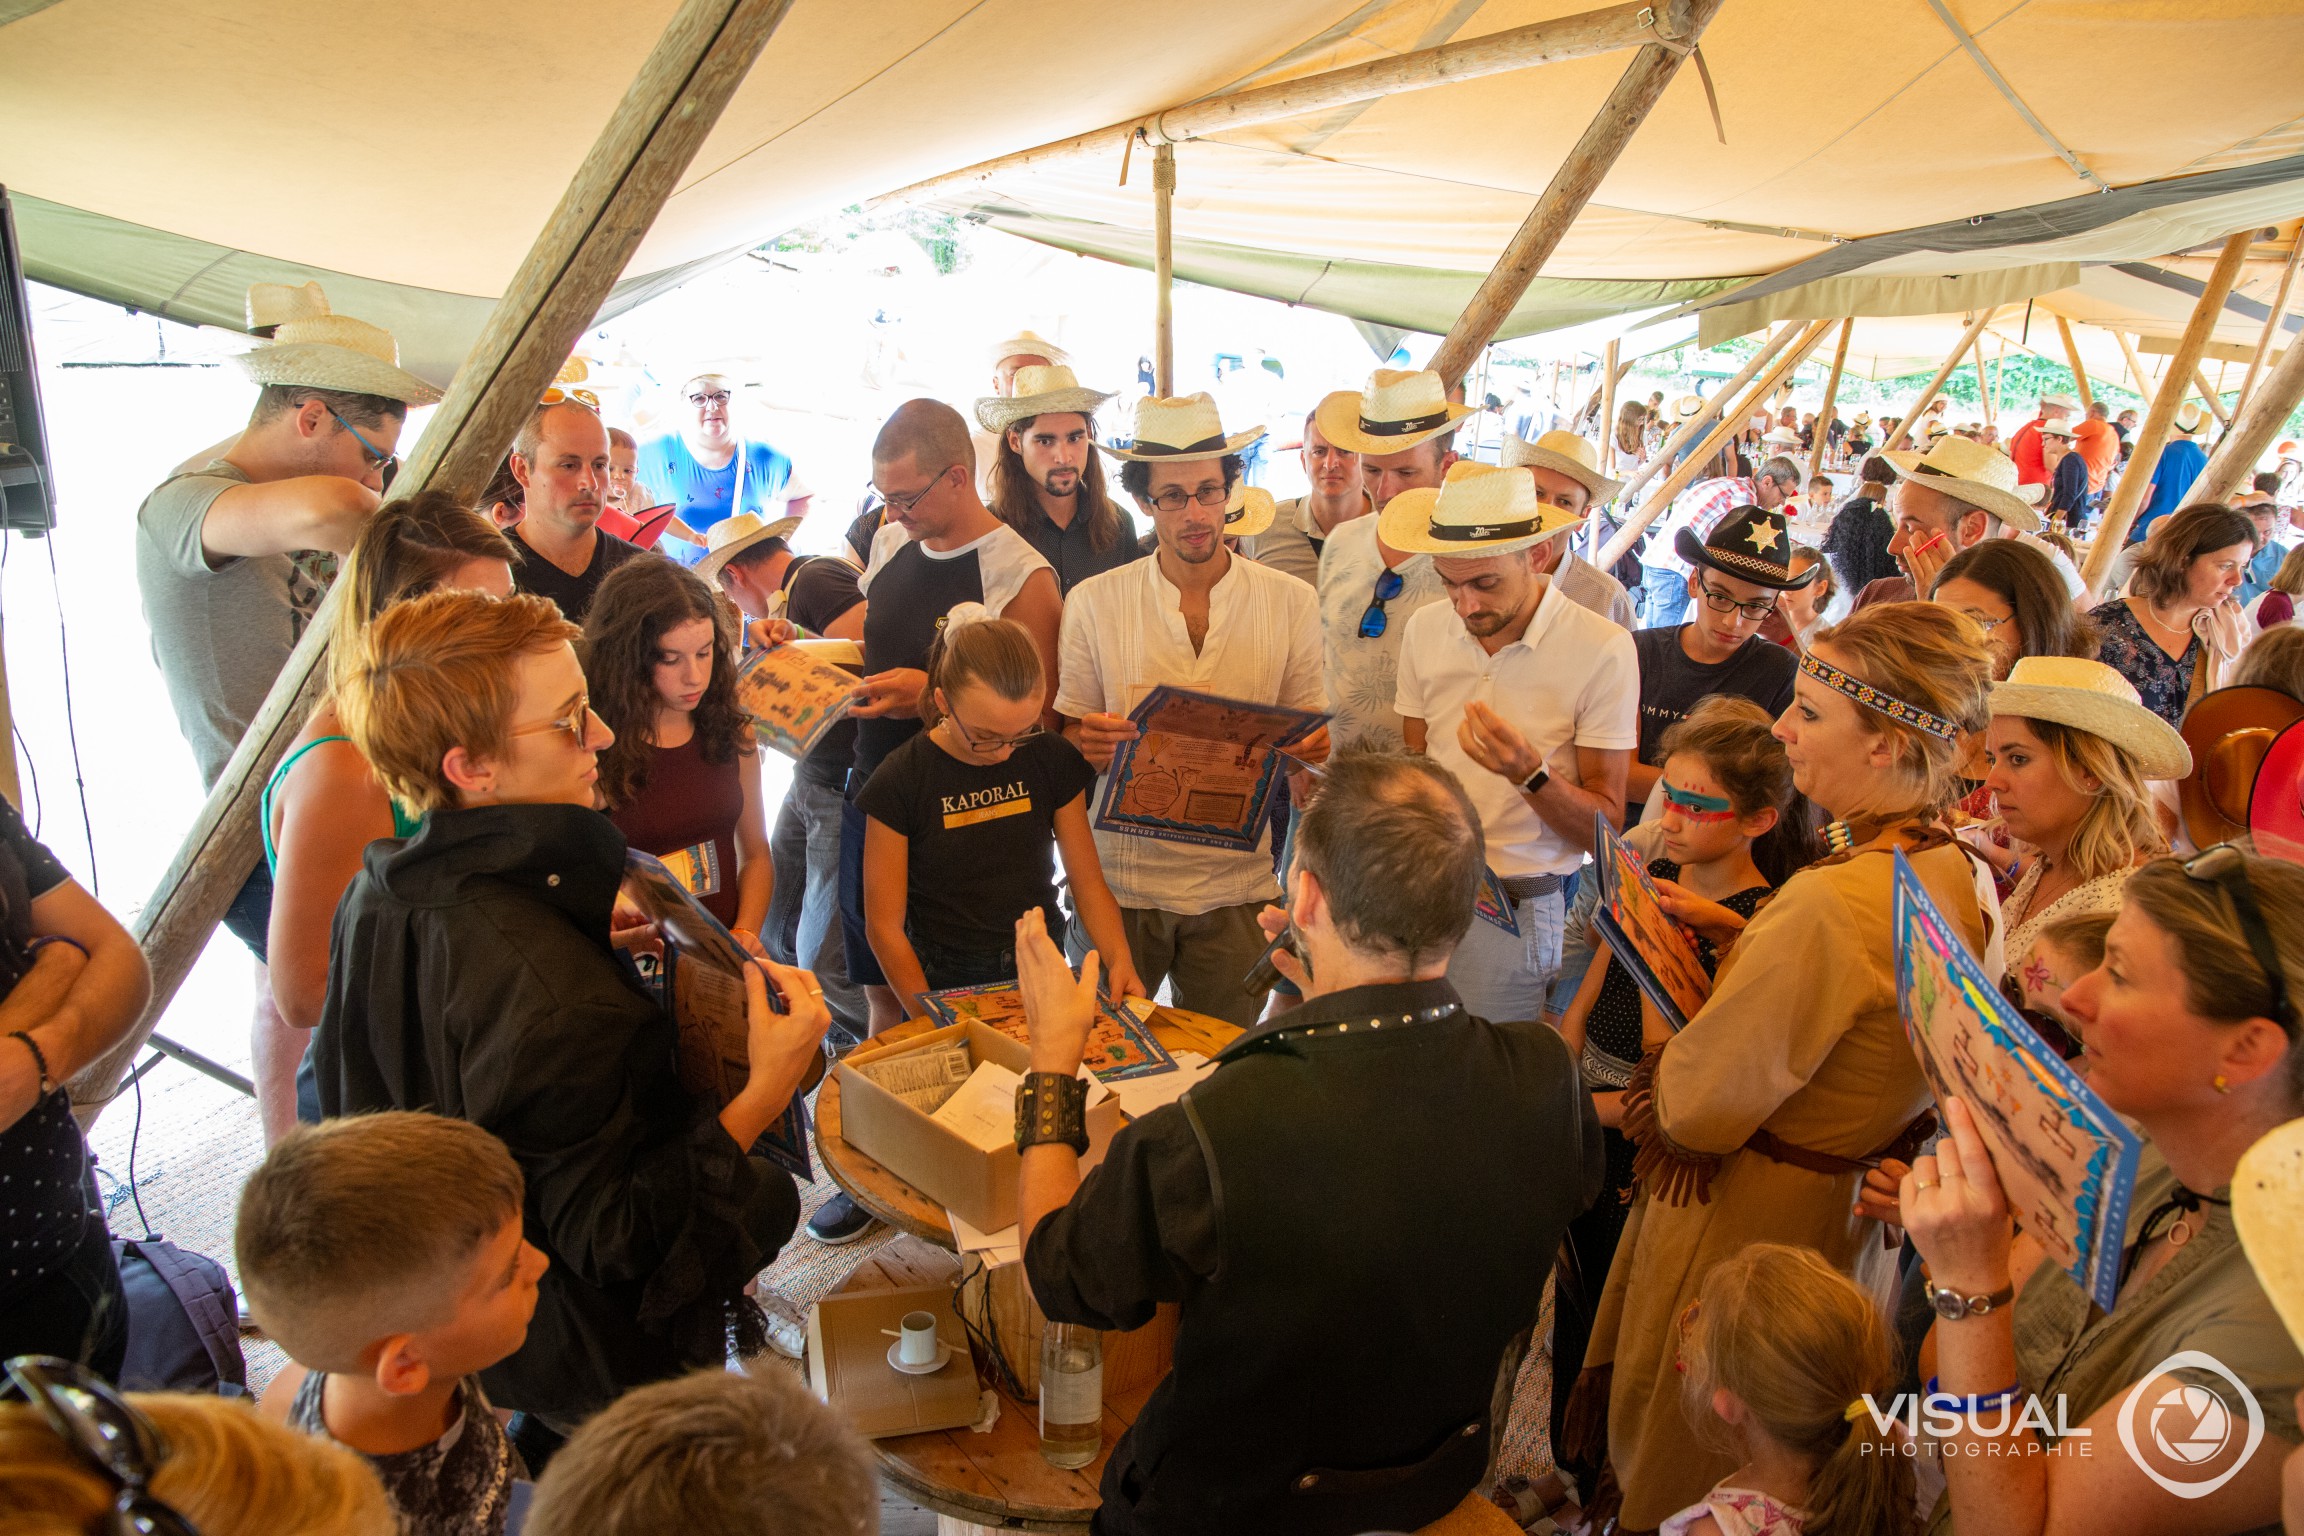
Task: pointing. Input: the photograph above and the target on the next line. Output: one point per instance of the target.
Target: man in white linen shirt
(1530, 699)
(1193, 616)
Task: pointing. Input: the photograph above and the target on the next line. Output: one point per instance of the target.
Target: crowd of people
(511, 1254)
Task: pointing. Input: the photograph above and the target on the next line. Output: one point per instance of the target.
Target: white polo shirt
(1124, 634)
(1573, 680)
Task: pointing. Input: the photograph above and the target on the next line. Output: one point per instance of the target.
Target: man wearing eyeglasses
(710, 472)
(233, 557)
(1737, 575)
(1199, 617)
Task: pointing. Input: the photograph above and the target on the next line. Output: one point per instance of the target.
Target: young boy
(384, 1253)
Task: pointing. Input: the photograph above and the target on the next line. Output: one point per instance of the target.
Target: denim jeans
(1663, 596)
(1503, 978)
(803, 925)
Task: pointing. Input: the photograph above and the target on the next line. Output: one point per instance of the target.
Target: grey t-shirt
(220, 633)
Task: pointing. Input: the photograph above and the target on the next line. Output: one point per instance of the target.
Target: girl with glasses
(682, 778)
(960, 819)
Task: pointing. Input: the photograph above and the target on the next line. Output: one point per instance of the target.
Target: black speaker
(27, 494)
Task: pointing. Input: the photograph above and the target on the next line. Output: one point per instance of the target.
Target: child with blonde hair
(1781, 1352)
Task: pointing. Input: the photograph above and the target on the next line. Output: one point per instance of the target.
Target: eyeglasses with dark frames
(976, 743)
(1174, 498)
(1373, 622)
(106, 1434)
(388, 464)
(2226, 867)
(1756, 611)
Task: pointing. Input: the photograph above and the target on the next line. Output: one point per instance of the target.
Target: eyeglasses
(1174, 498)
(1373, 621)
(577, 723)
(378, 459)
(2227, 867)
(1982, 621)
(709, 397)
(1720, 602)
(976, 743)
(903, 505)
(108, 1436)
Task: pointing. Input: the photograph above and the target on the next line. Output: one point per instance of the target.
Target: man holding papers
(1196, 617)
(1530, 699)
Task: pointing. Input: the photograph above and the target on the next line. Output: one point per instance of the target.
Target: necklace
(2184, 1205)
(2152, 612)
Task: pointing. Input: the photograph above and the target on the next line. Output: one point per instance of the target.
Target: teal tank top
(403, 824)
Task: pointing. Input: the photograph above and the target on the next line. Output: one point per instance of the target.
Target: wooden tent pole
(2136, 375)
(1163, 271)
(2212, 395)
(1693, 465)
(1983, 382)
(1951, 361)
(1822, 438)
(1572, 186)
(2153, 435)
(2079, 369)
(2254, 427)
(705, 52)
(2272, 325)
(1607, 421)
(1687, 431)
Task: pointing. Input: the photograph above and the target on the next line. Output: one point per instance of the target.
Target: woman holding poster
(1753, 1123)
(2185, 1389)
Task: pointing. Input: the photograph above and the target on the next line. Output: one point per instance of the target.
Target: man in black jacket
(1357, 1210)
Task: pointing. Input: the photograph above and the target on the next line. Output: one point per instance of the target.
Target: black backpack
(183, 1321)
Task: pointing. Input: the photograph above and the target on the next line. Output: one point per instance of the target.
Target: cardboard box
(979, 1185)
(848, 1363)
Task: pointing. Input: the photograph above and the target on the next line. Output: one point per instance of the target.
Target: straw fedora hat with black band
(2191, 416)
(731, 536)
(1687, 407)
(1751, 544)
(2090, 696)
(319, 349)
(1249, 512)
(1049, 391)
(1478, 510)
(1567, 453)
(1975, 475)
(1181, 428)
(1399, 409)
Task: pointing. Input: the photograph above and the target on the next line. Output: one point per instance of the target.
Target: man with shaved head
(560, 459)
(938, 546)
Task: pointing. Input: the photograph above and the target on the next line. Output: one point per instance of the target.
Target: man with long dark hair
(1046, 479)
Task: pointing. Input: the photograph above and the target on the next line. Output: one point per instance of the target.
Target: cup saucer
(943, 1357)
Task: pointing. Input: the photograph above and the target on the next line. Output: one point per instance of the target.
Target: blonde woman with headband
(1755, 1122)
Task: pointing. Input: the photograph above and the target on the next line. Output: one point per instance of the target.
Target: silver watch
(1952, 1306)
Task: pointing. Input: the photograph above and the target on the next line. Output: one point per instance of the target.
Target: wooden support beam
(2138, 379)
(703, 55)
(1608, 376)
(1163, 271)
(2272, 325)
(1608, 30)
(2153, 434)
(1657, 504)
(2212, 395)
(2072, 357)
(1983, 382)
(1572, 186)
(1951, 361)
(1687, 431)
(1822, 439)
(2254, 427)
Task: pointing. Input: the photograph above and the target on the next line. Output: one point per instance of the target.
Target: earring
(2220, 1084)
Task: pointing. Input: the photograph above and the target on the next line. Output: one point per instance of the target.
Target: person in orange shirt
(2098, 445)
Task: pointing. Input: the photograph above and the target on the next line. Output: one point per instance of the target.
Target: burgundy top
(689, 803)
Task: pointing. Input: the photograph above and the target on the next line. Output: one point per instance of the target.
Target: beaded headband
(1873, 699)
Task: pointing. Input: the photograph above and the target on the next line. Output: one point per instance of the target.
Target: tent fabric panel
(1863, 293)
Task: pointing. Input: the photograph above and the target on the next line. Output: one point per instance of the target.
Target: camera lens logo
(2189, 1424)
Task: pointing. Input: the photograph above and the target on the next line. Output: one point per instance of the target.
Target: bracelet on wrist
(1979, 1402)
(47, 939)
(1052, 1107)
(39, 1060)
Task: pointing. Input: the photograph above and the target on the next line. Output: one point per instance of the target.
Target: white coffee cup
(918, 1345)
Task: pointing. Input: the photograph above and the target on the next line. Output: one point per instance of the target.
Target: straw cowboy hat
(1687, 407)
(1782, 437)
(2064, 403)
(1398, 410)
(1568, 453)
(2062, 429)
(319, 349)
(2230, 733)
(1751, 544)
(2191, 417)
(1050, 391)
(731, 536)
(1249, 512)
(2090, 696)
(1170, 429)
(1982, 477)
(1028, 344)
(271, 305)
(1479, 510)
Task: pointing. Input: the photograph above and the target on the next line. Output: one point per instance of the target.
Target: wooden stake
(706, 50)
(2211, 394)
(1571, 188)
(2079, 369)
(1983, 382)
(2153, 435)
(2254, 427)
(1692, 466)
(2272, 325)
(2136, 375)
(1163, 271)
(1688, 430)
(1822, 439)
(1608, 406)
(1952, 361)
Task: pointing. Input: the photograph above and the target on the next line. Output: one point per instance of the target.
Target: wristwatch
(1052, 1107)
(1952, 1306)
(1536, 781)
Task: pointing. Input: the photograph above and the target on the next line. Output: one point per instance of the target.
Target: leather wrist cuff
(1052, 1107)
